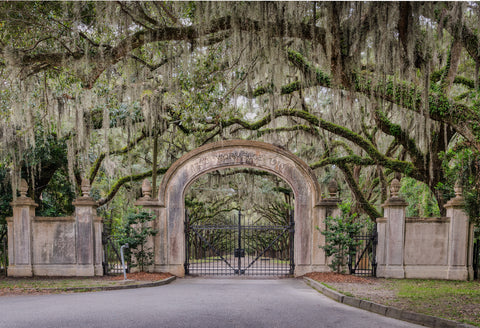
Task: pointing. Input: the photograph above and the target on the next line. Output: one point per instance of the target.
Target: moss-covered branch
(98, 162)
(299, 127)
(401, 136)
(352, 159)
(407, 95)
(360, 198)
(129, 178)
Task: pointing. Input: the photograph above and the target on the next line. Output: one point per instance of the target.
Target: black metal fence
(239, 246)
(364, 262)
(112, 262)
(476, 257)
(3, 250)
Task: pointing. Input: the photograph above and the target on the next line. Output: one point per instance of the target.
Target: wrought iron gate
(239, 247)
(112, 263)
(364, 262)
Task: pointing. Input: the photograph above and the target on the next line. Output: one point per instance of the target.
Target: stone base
(20, 271)
(99, 270)
(459, 273)
(314, 268)
(175, 269)
(426, 271)
(55, 270)
(301, 270)
(66, 270)
(391, 271)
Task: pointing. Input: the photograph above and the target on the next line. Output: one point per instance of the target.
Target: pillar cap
(147, 200)
(458, 200)
(395, 199)
(332, 188)
(23, 200)
(85, 199)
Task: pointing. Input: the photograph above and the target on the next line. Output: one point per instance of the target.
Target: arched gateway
(169, 243)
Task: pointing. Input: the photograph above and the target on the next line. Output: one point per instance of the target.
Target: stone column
(460, 239)
(158, 242)
(391, 236)
(20, 234)
(327, 207)
(86, 241)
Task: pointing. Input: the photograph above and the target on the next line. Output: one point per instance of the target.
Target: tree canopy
(117, 91)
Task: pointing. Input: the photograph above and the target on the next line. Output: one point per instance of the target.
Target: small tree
(339, 234)
(137, 230)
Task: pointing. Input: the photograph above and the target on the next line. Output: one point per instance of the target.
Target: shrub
(137, 230)
(339, 235)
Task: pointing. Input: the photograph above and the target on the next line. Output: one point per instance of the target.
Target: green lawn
(455, 300)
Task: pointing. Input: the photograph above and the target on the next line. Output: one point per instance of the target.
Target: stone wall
(54, 246)
(434, 248)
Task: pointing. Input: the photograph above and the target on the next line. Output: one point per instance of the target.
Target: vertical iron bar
(5, 258)
(187, 243)
(475, 259)
(291, 241)
(374, 251)
(239, 241)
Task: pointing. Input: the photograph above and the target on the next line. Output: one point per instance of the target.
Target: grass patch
(455, 300)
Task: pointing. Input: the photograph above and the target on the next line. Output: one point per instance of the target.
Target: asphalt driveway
(192, 302)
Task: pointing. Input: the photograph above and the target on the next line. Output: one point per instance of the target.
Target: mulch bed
(337, 278)
(142, 276)
(23, 289)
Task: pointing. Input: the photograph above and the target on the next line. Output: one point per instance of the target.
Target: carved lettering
(239, 157)
(200, 164)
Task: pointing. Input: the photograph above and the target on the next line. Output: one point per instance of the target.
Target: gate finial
(23, 188)
(395, 188)
(333, 188)
(458, 188)
(85, 186)
(146, 189)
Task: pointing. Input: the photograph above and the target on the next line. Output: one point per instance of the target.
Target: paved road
(191, 302)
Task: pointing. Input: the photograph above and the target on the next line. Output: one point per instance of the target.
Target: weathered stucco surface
(433, 248)
(55, 246)
(170, 208)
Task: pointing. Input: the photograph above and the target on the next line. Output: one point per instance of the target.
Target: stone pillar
(460, 239)
(87, 242)
(20, 234)
(391, 236)
(158, 242)
(327, 207)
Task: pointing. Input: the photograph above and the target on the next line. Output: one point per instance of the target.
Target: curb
(105, 288)
(388, 311)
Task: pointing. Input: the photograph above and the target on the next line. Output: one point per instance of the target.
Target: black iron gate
(112, 263)
(239, 246)
(476, 257)
(3, 250)
(364, 261)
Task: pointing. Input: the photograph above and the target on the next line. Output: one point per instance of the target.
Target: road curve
(191, 302)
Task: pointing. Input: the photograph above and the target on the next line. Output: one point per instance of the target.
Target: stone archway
(169, 243)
